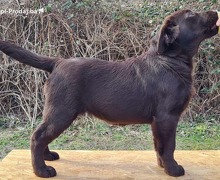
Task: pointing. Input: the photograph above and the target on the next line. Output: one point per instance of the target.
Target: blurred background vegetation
(110, 30)
(113, 31)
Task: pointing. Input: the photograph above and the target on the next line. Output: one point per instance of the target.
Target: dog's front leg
(164, 133)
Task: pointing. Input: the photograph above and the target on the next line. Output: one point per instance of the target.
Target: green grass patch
(198, 136)
(97, 135)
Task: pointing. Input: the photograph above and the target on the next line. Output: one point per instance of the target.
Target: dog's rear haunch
(153, 88)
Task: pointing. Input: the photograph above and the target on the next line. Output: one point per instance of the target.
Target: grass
(93, 134)
(198, 136)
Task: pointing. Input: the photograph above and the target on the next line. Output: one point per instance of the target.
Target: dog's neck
(174, 52)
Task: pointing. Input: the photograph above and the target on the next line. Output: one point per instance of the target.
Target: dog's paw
(46, 172)
(51, 156)
(175, 171)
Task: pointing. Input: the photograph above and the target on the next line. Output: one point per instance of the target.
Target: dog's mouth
(211, 30)
(212, 27)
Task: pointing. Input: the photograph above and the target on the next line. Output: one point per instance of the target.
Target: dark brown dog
(154, 88)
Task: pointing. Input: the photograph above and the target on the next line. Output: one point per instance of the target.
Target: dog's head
(184, 30)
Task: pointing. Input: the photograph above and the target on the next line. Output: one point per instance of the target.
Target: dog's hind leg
(55, 121)
(164, 132)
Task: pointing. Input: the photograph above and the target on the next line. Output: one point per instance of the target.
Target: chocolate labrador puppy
(153, 88)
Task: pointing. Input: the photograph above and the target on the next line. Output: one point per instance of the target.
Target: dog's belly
(122, 119)
(109, 118)
(122, 114)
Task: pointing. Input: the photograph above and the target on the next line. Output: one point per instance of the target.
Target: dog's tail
(27, 57)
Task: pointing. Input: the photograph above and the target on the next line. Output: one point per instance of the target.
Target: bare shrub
(21, 86)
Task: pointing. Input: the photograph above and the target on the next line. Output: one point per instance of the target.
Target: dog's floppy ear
(167, 35)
